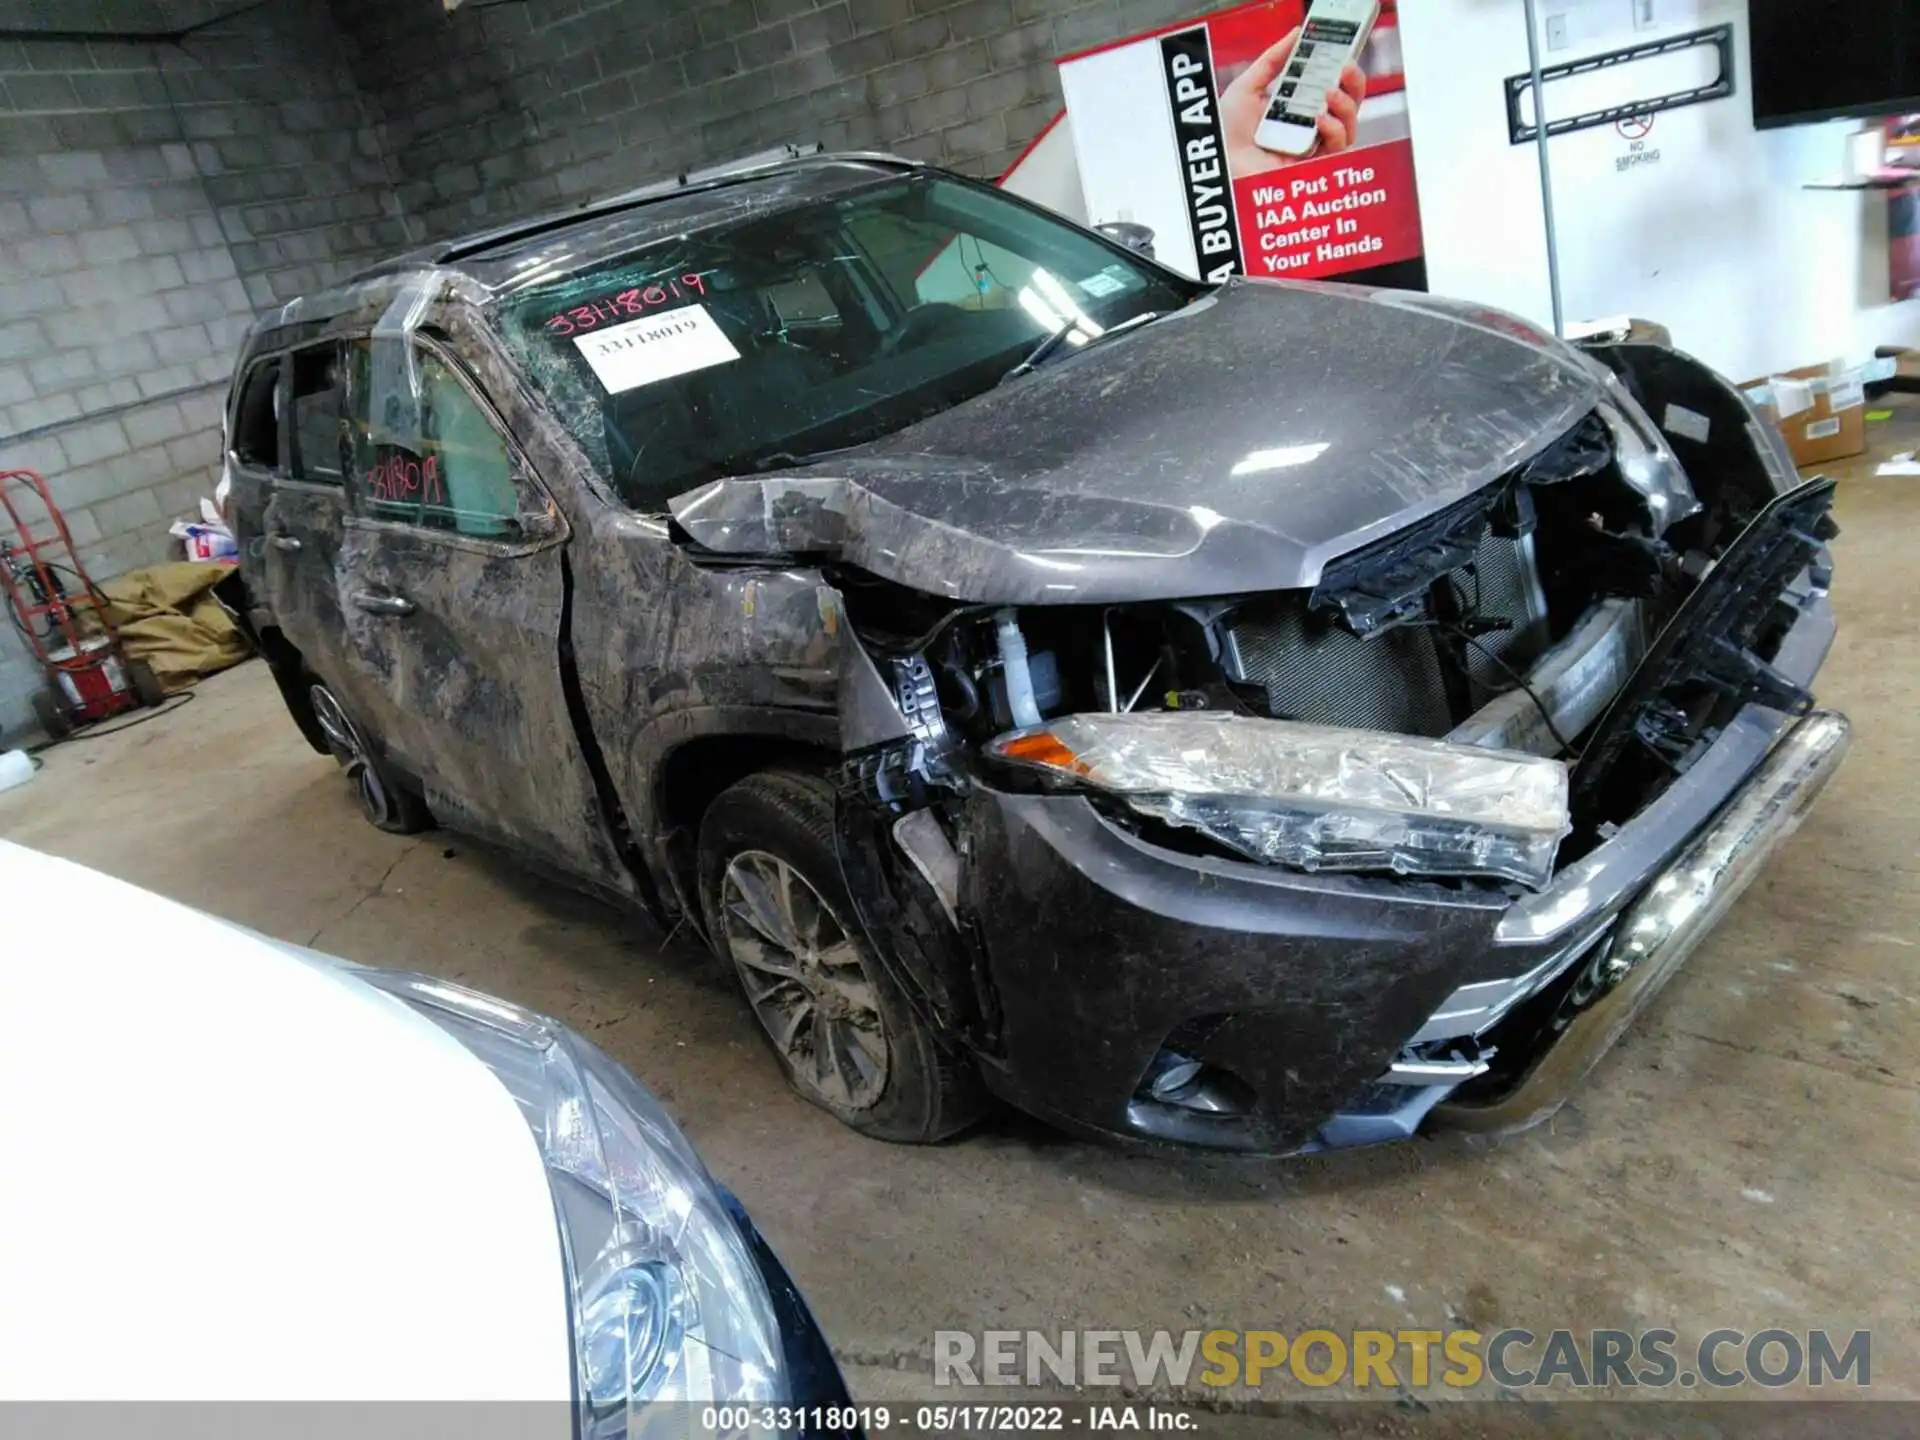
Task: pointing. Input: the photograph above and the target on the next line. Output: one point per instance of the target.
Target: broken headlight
(1313, 796)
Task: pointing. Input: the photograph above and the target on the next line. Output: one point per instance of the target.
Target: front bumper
(1654, 938)
(1118, 965)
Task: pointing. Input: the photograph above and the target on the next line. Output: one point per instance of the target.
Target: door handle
(375, 603)
(288, 543)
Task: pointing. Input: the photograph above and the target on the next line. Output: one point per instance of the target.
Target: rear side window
(256, 420)
(442, 464)
(319, 401)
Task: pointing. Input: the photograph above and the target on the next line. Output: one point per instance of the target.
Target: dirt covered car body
(1243, 716)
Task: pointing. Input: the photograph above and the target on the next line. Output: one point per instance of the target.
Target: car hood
(1236, 445)
(310, 1191)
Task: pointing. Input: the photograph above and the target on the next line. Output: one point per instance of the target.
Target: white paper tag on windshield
(657, 348)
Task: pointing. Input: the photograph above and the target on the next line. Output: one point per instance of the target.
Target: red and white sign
(1167, 132)
(1903, 207)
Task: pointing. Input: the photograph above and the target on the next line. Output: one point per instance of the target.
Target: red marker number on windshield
(626, 305)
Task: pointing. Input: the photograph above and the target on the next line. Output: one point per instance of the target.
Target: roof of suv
(566, 241)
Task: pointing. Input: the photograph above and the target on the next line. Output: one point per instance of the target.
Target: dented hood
(1237, 445)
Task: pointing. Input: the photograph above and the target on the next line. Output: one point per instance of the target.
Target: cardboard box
(1820, 409)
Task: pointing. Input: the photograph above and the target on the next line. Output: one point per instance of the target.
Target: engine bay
(1511, 620)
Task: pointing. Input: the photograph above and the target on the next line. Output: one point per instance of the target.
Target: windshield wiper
(791, 460)
(1054, 341)
(779, 460)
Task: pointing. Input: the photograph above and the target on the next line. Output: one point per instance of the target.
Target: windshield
(782, 336)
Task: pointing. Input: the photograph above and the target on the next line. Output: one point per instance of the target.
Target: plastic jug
(16, 768)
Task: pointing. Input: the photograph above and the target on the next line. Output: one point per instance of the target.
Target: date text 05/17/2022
(954, 1419)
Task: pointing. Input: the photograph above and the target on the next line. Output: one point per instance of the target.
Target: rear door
(452, 582)
(303, 522)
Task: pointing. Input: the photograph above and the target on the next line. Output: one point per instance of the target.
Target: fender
(666, 850)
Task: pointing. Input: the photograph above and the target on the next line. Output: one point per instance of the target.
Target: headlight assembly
(667, 1304)
(1312, 796)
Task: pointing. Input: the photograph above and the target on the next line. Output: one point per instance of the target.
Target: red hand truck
(62, 615)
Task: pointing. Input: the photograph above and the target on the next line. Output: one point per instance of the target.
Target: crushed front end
(1288, 870)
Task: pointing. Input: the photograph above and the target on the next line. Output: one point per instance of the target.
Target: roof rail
(467, 246)
(758, 160)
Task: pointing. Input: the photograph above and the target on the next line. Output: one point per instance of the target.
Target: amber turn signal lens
(1043, 748)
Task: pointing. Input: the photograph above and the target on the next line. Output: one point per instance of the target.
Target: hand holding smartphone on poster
(1302, 97)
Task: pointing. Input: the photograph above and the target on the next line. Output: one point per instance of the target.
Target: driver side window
(433, 458)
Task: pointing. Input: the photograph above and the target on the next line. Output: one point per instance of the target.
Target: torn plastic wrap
(1316, 797)
(396, 364)
(1647, 463)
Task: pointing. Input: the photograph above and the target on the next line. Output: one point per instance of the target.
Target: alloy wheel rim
(334, 724)
(366, 782)
(806, 980)
(343, 738)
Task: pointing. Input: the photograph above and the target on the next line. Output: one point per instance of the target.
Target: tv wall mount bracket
(1720, 37)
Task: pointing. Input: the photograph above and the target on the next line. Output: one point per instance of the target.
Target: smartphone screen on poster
(1335, 33)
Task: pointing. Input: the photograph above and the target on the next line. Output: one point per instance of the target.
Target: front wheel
(778, 909)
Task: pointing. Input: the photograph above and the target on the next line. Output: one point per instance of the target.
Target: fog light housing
(1189, 1084)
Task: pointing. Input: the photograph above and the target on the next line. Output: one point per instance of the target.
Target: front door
(452, 587)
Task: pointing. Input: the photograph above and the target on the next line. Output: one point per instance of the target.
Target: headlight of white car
(1312, 796)
(667, 1304)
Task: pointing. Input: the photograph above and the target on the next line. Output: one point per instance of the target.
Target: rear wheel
(778, 909)
(386, 802)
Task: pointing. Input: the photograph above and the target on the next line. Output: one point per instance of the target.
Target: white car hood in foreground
(233, 1175)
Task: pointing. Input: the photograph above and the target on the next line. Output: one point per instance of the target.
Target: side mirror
(1137, 238)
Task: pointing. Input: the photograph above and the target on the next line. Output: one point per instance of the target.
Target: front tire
(778, 909)
(384, 799)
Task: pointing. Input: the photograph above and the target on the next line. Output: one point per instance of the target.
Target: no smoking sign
(1634, 129)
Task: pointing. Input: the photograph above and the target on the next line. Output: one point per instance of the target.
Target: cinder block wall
(153, 196)
(493, 111)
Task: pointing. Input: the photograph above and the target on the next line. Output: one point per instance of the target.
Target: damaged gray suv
(1258, 716)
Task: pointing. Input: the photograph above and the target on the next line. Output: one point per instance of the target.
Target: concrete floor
(1745, 1158)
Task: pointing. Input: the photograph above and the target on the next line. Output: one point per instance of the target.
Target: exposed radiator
(1315, 670)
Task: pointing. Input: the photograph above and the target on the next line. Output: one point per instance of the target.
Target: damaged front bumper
(1147, 994)
(1653, 938)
